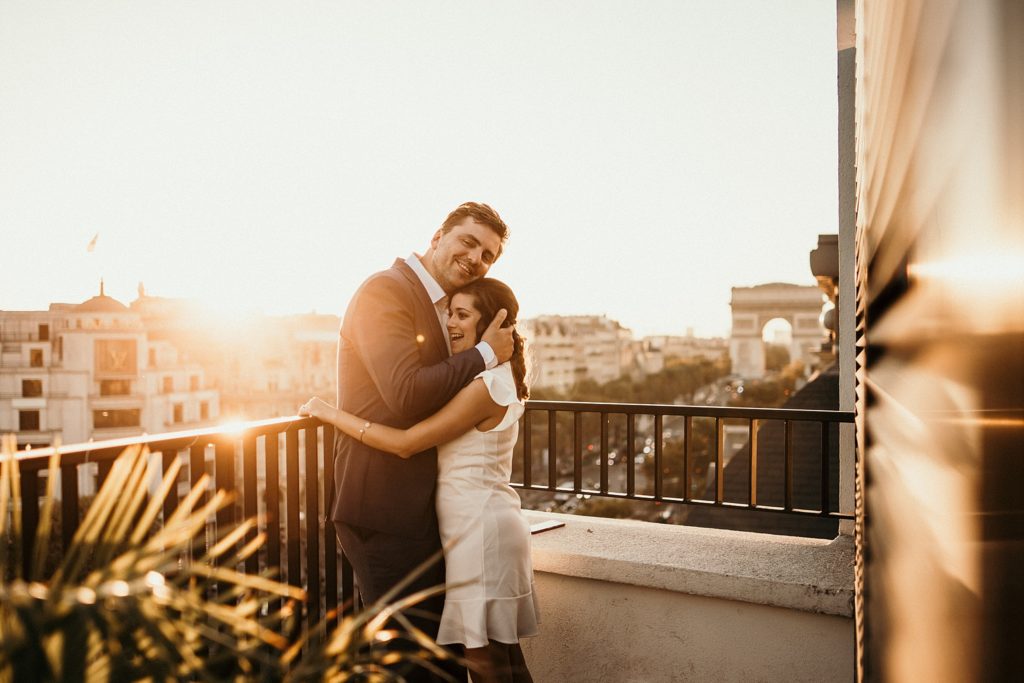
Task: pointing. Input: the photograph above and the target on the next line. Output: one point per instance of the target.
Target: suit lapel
(426, 306)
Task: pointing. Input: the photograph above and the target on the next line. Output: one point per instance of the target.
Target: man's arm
(383, 330)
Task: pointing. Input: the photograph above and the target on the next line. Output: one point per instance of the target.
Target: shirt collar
(434, 290)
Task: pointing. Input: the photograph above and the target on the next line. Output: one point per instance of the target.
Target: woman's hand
(315, 407)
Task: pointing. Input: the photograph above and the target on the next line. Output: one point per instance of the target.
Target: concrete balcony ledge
(636, 602)
(810, 575)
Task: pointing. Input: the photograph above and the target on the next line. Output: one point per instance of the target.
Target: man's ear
(435, 239)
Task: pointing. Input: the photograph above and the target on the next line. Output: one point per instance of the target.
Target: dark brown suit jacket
(393, 368)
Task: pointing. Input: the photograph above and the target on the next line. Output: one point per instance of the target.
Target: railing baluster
(68, 504)
(577, 452)
(29, 517)
(291, 503)
(825, 497)
(103, 468)
(687, 445)
(630, 455)
(330, 537)
(719, 461)
(196, 469)
(250, 493)
(528, 448)
(312, 528)
(552, 451)
(604, 451)
(752, 473)
(167, 458)
(788, 467)
(224, 471)
(659, 466)
(272, 491)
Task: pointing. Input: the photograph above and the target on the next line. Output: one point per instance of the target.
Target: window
(115, 387)
(44, 332)
(168, 384)
(36, 358)
(179, 413)
(107, 419)
(28, 420)
(31, 388)
(204, 410)
(152, 358)
(193, 383)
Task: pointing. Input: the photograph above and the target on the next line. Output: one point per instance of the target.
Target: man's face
(463, 254)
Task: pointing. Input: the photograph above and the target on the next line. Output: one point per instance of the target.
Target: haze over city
(264, 156)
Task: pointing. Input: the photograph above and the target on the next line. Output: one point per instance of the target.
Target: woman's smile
(463, 319)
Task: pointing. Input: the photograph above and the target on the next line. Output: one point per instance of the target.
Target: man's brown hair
(480, 213)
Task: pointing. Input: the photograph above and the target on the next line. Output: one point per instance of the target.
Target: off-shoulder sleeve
(502, 388)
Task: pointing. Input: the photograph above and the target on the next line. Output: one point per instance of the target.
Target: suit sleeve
(386, 337)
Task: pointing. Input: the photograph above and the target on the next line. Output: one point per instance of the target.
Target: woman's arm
(471, 406)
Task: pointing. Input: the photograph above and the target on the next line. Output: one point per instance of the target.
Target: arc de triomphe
(753, 307)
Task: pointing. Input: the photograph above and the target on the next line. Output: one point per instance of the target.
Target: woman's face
(462, 320)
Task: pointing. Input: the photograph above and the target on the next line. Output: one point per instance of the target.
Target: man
(395, 368)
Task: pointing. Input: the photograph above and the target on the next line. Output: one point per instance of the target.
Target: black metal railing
(678, 454)
(277, 471)
(281, 471)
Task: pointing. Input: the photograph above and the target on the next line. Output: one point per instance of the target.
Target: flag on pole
(92, 243)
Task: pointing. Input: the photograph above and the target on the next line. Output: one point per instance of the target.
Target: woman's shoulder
(501, 385)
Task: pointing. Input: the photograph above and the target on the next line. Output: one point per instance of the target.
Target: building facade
(90, 371)
(565, 350)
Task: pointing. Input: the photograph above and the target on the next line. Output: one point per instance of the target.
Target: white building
(650, 353)
(262, 366)
(89, 371)
(567, 349)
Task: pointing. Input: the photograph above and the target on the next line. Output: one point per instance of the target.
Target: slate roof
(821, 393)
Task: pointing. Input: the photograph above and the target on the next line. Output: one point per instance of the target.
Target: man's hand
(499, 338)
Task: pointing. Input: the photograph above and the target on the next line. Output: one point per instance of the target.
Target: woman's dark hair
(489, 297)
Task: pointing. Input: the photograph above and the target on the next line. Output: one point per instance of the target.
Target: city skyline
(646, 161)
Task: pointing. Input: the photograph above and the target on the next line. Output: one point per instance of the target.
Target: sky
(269, 156)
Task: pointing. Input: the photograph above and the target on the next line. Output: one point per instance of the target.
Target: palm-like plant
(124, 603)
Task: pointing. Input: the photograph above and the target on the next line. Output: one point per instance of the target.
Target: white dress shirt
(440, 301)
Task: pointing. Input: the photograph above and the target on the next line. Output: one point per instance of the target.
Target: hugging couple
(431, 386)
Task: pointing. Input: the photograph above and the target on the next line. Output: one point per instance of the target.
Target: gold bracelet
(362, 432)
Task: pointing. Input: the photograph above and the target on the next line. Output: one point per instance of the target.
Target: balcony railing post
(604, 451)
(659, 465)
(291, 454)
(687, 459)
(527, 449)
(788, 467)
(250, 495)
(752, 472)
(167, 458)
(577, 452)
(825, 454)
(68, 503)
(29, 516)
(552, 451)
(272, 493)
(630, 455)
(312, 528)
(719, 461)
(331, 602)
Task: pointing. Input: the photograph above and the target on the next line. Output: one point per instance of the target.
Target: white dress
(489, 575)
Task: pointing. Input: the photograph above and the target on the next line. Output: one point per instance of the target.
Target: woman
(490, 602)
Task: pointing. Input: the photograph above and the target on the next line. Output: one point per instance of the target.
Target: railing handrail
(174, 440)
(695, 410)
(184, 439)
